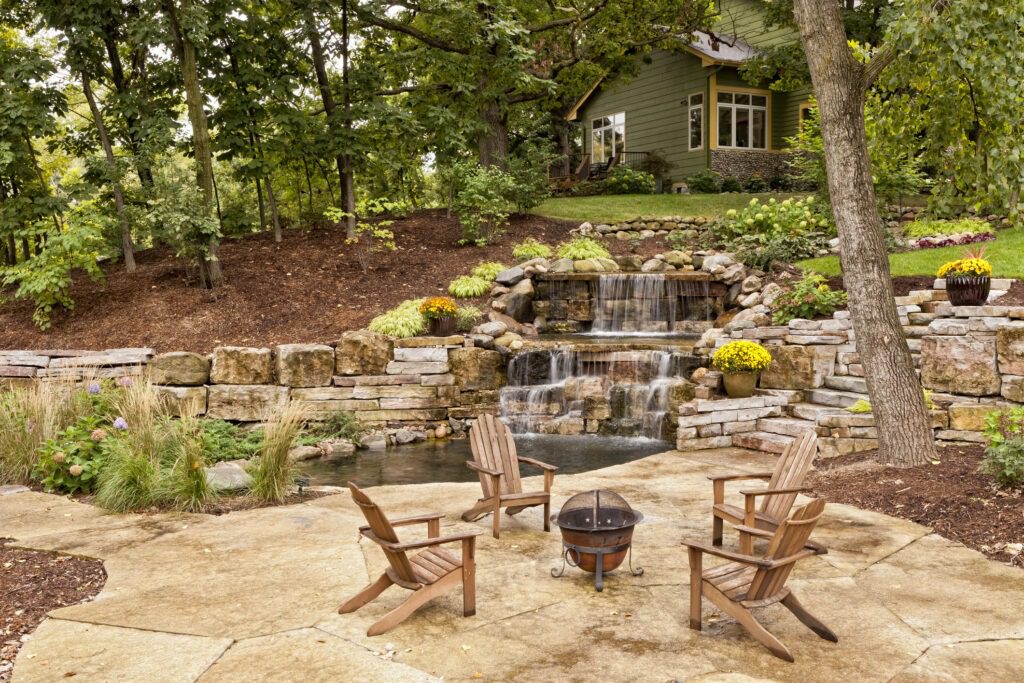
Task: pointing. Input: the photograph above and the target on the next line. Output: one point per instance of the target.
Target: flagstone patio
(253, 596)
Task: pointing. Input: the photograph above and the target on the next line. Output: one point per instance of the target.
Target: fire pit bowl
(597, 532)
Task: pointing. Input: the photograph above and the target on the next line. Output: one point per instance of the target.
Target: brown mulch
(1014, 297)
(33, 583)
(951, 497)
(308, 288)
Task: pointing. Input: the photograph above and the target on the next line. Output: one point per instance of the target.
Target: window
(742, 120)
(608, 137)
(696, 120)
(806, 109)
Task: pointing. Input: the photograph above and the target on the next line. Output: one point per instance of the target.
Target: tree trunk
(493, 141)
(209, 268)
(348, 192)
(330, 109)
(261, 203)
(142, 162)
(905, 435)
(274, 216)
(108, 151)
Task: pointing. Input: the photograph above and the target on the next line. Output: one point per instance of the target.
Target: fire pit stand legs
(599, 553)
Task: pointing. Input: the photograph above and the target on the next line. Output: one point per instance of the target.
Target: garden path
(252, 596)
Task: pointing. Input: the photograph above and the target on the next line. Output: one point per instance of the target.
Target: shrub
(370, 238)
(761, 251)
(755, 183)
(951, 240)
(469, 287)
(71, 462)
(1001, 425)
(184, 485)
(129, 480)
(439, 307)
(467, 317)
(929, 227)
(1004, 462)
(224, 441)
(741, 356)
(530, 249)
(404, 320)
(808, 298)
(731, 184)
(338, 425)
(29, 417)
(528, 170)
(488, 270)
(482, 202)
(582, 248)
(772, 218)
(625, 180)
(705, 182)
(275, 472)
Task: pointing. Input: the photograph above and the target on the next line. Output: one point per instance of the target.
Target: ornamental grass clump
(488, 270)
(582, 248)
(29, 417)
(530, 249)
(467, 317)
(275, 472)
(469, 287)
(404, 320)
(741, 356)
(185, 485)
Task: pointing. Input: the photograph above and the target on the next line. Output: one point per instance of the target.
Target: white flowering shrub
(765, 232)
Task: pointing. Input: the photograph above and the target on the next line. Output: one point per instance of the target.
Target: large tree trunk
(209, 268)
(108, 152)
(905, 435)
(348, 191)
(142, 161)
(492, 143)
(320, 67)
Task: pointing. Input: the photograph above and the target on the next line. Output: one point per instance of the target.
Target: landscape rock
(228, 476)
(1013, 388)
(562, 265)
(241, 365)
(1010, 349)
(405, 436)
(751, 283)
(679, 259)
(519, 301)
(183, 401)
(653, 266)
(179, 368)
(960, 365)
(305, 365)
(374, 442)
(492, 329)
(510, 276)
(631, 262)
(799, 367)
(303, 453)
(477, 369)
(337, 449)
(362, 353)
(771, 292)
(245, 403)
(968, 416)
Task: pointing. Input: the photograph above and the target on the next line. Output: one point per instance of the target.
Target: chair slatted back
(493, 447)
(788, 540)
(383, 530)
(790, 471)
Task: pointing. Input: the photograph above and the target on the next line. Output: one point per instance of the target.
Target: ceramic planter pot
(442, 327)
(968, 290)
(741, 384)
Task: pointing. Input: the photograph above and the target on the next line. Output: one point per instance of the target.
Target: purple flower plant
(120, 423)
(93, 388)
(125, 382)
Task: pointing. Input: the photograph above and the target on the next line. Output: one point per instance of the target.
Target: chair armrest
(777, 492)
(725, 554)
(818, 548)
(738, 477)
(480, 468)
(538, 464)
(428, 542)
(405, 521)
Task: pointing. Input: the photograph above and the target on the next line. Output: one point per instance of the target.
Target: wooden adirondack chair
(429, 573)
(748, 582)
(496, 461)
(783, 486)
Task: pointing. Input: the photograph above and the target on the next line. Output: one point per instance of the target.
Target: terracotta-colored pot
(968, 290)
(741, 384)
(442, 327)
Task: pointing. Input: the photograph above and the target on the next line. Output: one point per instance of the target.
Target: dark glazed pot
(968, 290)
(442, 327)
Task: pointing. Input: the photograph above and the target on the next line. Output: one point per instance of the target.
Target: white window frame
(750, 108)
(691, 107)
(616, 120)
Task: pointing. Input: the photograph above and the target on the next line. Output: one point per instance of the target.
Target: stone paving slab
(254, 595)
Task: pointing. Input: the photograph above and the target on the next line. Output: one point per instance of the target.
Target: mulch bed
(308, 288)
(1014, 297)
(951, 497)
(33, 583)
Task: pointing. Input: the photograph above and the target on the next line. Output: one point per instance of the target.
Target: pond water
(444, 461)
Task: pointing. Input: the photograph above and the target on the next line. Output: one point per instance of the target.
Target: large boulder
(799, 367)
(562, 265)
(679, 259)
(179, 368)
(1010, 349)
(241, 365)
(510, 276)
(182, 401)
(228, 476)
(305, 365)
(241, 403)
(519, 301)
(362, 353)
(477, 369)
(959, 365)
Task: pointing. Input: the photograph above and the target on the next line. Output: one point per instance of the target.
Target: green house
(692, 107)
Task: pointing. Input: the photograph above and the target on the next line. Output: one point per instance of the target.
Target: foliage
(275, 472)
(176, 215)
(952, 240)
(925, 227)
(488, 270)
(528, 170)
(483, 202)
(860, 407)
(467, 317)
(1005, 462)
(404, 320)
(369, 240)
(70, 462)
(130, 479)
(222, 440)
(761, 251)
(339, 425)
(730, 184)
(30, 417)
(1002, 425)
(582, 248)
(46, 277)
(439, 307)
(741, 356)
(530, 249)
(808, 298)
(706, 181)
(184, 484)
(469, 287)
(965, 267)
(626, 180)
(774, 218)
(755, 183)
(374, 206)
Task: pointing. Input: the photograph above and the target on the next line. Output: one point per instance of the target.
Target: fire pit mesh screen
(598, 509)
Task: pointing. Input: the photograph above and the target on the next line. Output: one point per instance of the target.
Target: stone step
(855, 384)
(814, 412)
(762, 441)
(788, 426)
(836, 399)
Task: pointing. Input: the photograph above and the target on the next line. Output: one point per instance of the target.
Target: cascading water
(568, 391)
(647, 304)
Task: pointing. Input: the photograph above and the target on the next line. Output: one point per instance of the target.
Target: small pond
(443, 461)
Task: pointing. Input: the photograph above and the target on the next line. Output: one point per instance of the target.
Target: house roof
(712, 50)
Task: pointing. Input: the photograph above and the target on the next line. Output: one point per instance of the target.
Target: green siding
(786, 115)
(743, 18)
(654, 102)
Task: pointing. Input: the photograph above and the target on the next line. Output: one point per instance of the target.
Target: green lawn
(611, 208)
(1006, 254)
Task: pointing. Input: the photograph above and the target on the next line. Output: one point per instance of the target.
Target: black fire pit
(597, 531)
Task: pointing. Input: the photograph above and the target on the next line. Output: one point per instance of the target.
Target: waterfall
(570, 391)
(632, 303)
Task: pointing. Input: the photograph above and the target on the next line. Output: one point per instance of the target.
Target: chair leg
(496, 521)
(808, 619)
(468, 577)
(413, 603)
(716, 530)
(481, 509)
(547, 516)
(366, 595)
(745, 619)
(696, 580)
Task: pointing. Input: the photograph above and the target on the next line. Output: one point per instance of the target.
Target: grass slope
(1006, 254)
(611, 208)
